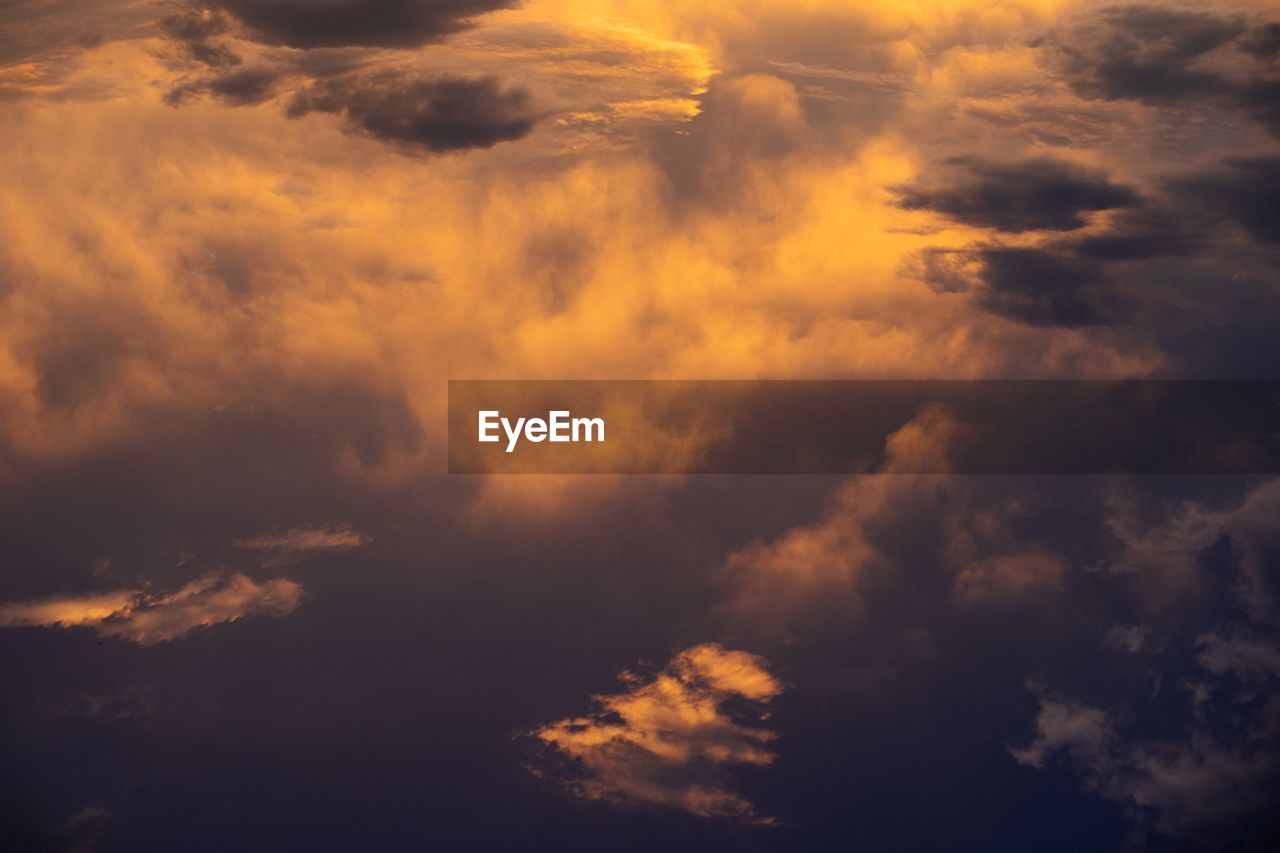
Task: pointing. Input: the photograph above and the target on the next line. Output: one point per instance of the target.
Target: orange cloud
(146, 618)
(291, 255)
(298, 542)
(668, 741)
(67, 612)
(837, 559)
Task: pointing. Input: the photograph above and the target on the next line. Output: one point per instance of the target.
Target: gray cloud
(1087, 276)
(242, 87)
(196, 29)
(1034, 195)
(1218, 780)
(1262, 42)
(438, 114)
(1040, 286)
(357, 23)
(1244, 190)
(1044, 288)
(1159, 56)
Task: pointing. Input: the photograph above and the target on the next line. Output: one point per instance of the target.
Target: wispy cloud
(298, 542)
(147, 618)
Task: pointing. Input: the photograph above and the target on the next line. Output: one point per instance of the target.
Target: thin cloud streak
(147, 618)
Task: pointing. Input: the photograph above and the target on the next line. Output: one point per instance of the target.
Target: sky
(244, 244)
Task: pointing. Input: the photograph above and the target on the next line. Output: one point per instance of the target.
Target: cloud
(668, 741)
(1214, 782)
(299, 542)
(437, 115)
(1009, 576)
(1166, 57)
(1034, 195)
(1085, 733)
(356, 23)
(1164, 554)
(1148, 53)
(1262, 41)
(1085, 274)
(1254, 528)
(1042, 287)
(1217, 783)
(318, 278)
(594, 82)
(147, 618)
(839, 559)
(1131, 638)
(1248, 655)
(1244, 190)
(68, 612)
(241, 87)
(1171, 229)
(1045, 288)
(196, 30)
(993, 565)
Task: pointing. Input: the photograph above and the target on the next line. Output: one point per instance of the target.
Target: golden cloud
(148, 618)
(668, 741)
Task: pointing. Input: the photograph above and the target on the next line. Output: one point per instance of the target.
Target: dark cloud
(1035, 195)
(194, 29)
(195, 24)
(1146, 54)
(1099, 275)
(1146, 232)
(1261, 99)
(1045, 288)
(437, 115)
(1245, 190)
(1159, 56)
(240, 88)
(357, 23)
(1262, 42)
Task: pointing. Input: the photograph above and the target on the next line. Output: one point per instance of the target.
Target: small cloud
(435, 114)
(299, 542)
(668, 741)
(1132, 639)
(1083, 732)
(146, 618)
